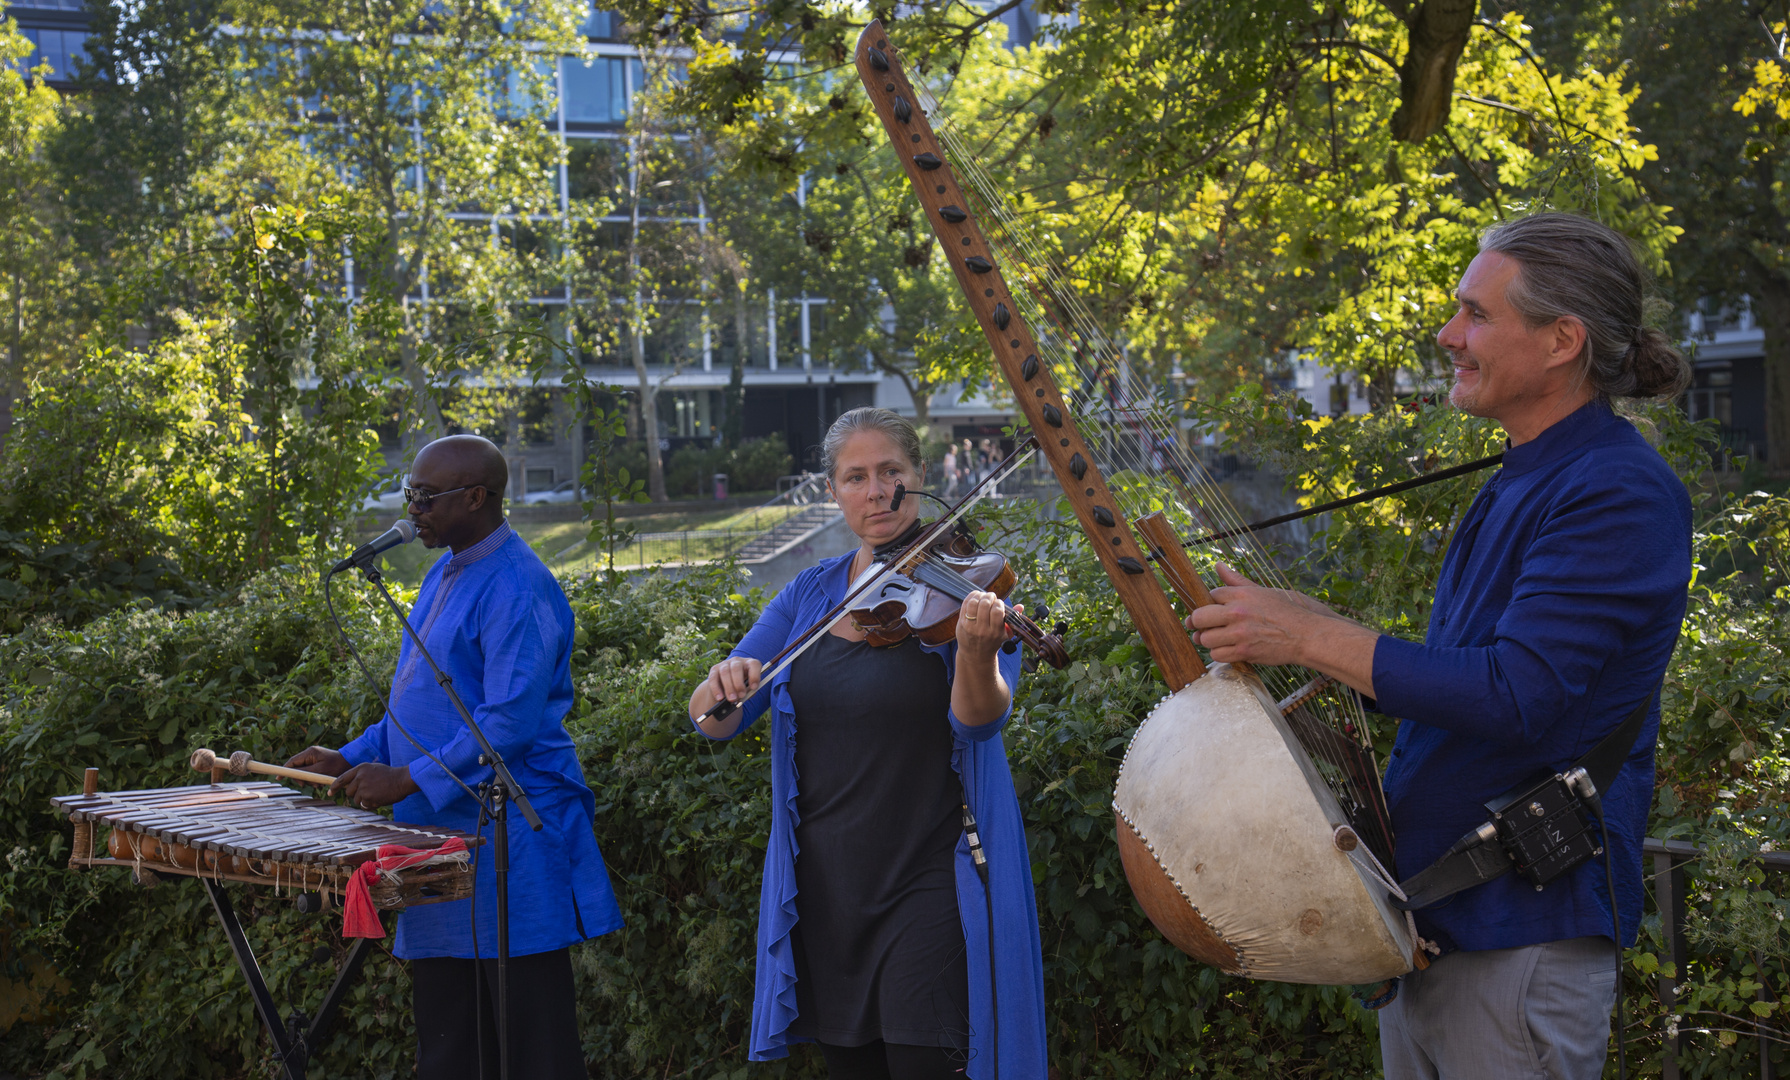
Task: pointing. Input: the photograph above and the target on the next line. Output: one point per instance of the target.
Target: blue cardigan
(1557, 609)
(979, 757)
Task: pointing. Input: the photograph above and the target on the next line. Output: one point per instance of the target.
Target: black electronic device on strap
(1539, 828)
(1544, 828)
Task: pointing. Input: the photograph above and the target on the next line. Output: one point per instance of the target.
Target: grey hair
(1571, 266)
(869, 418)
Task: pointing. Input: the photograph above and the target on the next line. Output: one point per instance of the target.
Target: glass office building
(793, 388)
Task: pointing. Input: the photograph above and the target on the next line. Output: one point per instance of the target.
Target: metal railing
(647, 549)
(801, 489)
(1671, 897)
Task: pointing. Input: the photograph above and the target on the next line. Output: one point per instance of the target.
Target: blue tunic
(980, 759)
(498, 623)
(1556, 612)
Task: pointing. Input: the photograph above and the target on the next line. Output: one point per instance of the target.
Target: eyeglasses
(422, 500)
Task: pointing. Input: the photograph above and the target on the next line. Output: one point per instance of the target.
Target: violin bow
(891, 568)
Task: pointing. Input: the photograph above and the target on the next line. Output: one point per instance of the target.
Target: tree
(1711, 80)
(1223, 181)
(639, 287)
(413, 113)
(29, 259)
(145, 162)
(238, 440)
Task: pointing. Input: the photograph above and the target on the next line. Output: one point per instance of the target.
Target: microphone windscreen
(405, 530)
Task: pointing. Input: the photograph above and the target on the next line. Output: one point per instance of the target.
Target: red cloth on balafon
(359, 917)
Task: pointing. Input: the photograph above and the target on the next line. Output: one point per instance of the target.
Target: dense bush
(232, 441)
(754, 465)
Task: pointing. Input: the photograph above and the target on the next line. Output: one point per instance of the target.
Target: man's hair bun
(1657, 369)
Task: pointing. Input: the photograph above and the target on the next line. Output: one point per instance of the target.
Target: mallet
(241, 764)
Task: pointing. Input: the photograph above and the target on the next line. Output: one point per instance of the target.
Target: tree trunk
(1771, 303)
(649, 394)
(408, 347)
(12, 376)
(733, 423)
(1438, 34)
(1382, 390)
(649, 417)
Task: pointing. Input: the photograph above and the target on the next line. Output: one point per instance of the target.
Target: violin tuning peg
(1009, 645)
(1061, 629)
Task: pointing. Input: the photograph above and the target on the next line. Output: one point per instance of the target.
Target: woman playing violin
(874, 926)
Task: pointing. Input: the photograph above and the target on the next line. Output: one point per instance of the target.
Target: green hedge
(149, 989)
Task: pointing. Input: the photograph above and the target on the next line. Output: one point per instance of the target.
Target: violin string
(1121, 412)
(948, 580)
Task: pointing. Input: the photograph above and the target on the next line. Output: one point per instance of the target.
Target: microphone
(401, 532)
(900, 494)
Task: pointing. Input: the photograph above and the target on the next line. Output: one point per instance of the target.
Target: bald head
(465, 460)
(461, 479)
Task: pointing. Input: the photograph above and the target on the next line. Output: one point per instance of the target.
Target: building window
(1712, 396)
(62, 50)
(600, 23)
(689, 414)
(538, 479)
(597, 91)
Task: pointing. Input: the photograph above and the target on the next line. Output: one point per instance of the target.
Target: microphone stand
(501, 790)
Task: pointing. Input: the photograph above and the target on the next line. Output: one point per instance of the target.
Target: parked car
(566, 491)
(392, 500)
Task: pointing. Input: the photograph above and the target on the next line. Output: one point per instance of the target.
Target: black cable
(1338, 504)
(1616, 924)
(980, 860)
(379, 689)
(994, 989)
(902, 491)
(478, 829)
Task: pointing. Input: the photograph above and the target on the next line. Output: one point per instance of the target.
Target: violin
(926, 596)
(919, 583)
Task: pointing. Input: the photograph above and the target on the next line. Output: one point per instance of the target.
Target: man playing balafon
(496, 621)
(1556, 610)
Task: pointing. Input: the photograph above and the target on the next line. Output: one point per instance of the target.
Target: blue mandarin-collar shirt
(1557, 610)
(979, 757)
(498, 623)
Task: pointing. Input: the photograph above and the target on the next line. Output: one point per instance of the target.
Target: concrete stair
(792, 530)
